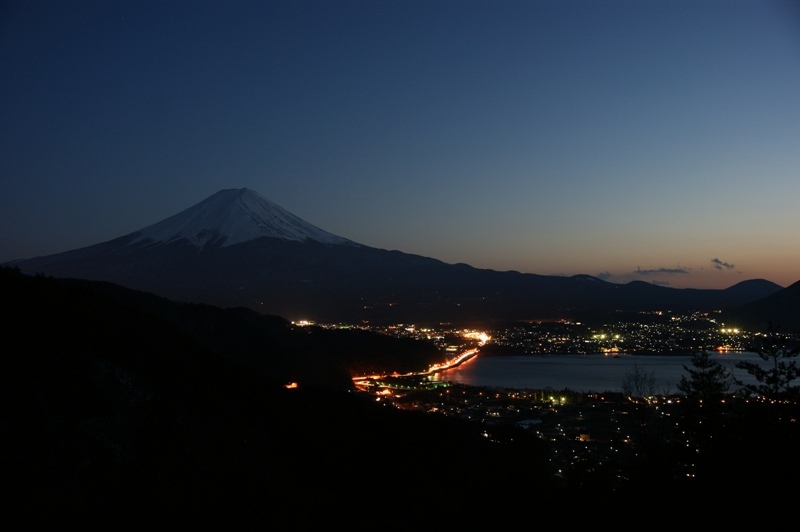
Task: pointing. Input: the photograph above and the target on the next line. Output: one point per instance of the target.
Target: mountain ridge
(238, 249)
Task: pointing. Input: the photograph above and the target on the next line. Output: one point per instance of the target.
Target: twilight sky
(654, 140)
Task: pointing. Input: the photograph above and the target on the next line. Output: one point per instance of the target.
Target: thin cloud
(605, 276)
(720, 265)
(659, 271)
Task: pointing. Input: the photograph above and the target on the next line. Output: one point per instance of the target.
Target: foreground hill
(90, 316)
(238, 249)
(122, 412)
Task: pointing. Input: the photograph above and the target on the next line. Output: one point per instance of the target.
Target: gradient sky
(650, 140)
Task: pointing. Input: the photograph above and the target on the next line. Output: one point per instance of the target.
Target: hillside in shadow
(127, 410)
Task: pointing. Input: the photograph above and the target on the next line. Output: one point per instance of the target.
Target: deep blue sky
(653, 140)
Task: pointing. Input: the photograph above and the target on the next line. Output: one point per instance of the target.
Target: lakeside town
(658, 332)
(599, 436)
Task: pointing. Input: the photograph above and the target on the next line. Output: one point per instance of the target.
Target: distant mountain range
(238, 249)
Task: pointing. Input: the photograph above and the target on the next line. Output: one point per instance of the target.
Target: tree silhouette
(708, 380)
(655, 455)
(775, 380)
(638, 384)
(705, 388)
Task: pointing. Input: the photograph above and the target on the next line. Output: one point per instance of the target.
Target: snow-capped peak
(233, 216)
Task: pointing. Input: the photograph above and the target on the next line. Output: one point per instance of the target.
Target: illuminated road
(453, 362)
(460, 359)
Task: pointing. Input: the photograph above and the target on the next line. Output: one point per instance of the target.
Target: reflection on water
(583, 373)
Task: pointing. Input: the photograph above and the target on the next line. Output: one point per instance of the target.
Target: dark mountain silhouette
(94, 315)
(780, 309)
(237, 249)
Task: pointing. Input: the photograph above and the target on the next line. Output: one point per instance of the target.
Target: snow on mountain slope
(233, 216)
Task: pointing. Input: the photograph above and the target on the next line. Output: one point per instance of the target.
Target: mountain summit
(234, 216)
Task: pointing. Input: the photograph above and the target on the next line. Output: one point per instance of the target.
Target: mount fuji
(232, 217)
(238, 249)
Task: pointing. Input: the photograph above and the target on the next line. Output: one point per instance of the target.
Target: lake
(583, 373)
